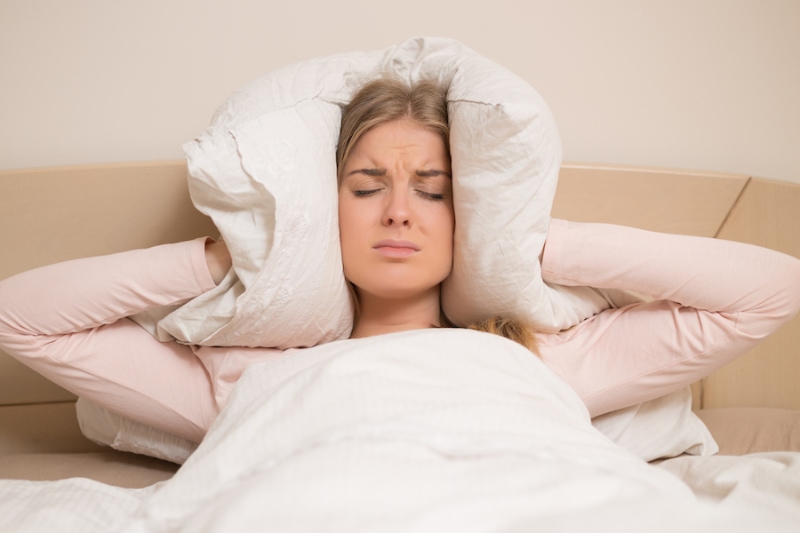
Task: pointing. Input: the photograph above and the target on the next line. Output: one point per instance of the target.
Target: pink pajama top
(713, 301)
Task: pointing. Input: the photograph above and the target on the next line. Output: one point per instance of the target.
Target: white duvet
(431, 430)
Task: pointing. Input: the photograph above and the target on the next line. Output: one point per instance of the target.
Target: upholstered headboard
(726, 206)
(54, 214)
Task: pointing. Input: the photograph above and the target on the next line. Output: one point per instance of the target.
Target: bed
(428, 430)
(751, 407)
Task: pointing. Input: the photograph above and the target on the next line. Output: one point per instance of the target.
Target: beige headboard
(54, 214)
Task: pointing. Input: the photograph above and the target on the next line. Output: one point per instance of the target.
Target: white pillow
(269, 184)
(661, 428)
(103, 427)
(264, 171)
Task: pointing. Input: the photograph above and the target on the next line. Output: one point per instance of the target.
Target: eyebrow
(432, 173)
(368, 171)
(429, 173)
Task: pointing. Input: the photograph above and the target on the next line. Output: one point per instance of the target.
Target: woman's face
(396, 211)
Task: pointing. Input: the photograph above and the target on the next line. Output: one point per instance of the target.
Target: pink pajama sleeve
(66, 321)
(713, 301)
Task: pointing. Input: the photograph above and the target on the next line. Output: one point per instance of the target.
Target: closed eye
(362, 193)
(431, 195)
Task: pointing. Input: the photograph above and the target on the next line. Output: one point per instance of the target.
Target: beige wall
(701, 84)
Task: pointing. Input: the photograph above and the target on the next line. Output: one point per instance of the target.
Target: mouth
(392, 248)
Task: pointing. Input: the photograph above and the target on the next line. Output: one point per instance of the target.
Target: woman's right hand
(218, 259)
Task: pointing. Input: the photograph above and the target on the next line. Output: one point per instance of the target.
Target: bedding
(428, 430)
(107, 428)
(658, 429)
(769, 480)
(264, 172)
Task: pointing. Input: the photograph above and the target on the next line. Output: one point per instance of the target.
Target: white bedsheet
(433, 430)
(768, 481)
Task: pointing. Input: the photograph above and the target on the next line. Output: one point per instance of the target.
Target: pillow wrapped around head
(264, 171)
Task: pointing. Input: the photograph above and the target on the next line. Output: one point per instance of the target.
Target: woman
(713, 299)
(411, 129)
(396, 218)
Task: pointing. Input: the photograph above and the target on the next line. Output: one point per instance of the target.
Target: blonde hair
(387, 99)
(509, 328)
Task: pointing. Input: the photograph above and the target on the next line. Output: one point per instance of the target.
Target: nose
(397, 211)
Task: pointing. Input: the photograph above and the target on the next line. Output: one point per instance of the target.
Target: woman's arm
(714, 300)
(66, 321)
(218, 259)
(85, 293)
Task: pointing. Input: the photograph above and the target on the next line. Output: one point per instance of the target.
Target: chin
(394, 284)
(393, 289)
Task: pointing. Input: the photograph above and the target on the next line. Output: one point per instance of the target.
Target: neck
(380, 315)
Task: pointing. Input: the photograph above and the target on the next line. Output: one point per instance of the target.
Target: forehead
(404, 136)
